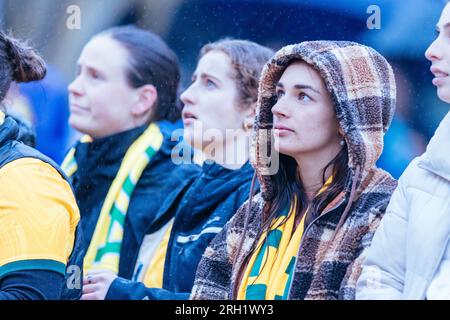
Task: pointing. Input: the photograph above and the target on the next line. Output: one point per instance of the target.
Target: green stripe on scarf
(104, 249)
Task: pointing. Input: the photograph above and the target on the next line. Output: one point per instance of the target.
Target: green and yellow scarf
(270, 269)
(106, 243)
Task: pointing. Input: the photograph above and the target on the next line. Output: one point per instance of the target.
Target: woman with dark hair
(219, 109)
(38, 211)
(124, 99)
(328, 105)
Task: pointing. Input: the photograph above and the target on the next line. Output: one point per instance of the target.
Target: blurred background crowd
(406, 28)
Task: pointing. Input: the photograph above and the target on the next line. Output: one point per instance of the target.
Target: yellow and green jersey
(38, 217)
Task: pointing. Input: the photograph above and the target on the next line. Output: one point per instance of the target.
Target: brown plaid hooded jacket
(362, 86)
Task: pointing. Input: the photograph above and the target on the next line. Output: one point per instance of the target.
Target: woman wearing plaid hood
(325, 105)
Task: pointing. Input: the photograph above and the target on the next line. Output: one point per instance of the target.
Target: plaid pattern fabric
(362, 86)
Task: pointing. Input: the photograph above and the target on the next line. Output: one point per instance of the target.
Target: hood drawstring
(247, 221)
(349, 203)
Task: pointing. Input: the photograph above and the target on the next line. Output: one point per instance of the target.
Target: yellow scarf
(154, 274)
(104, 248)
(270, 270)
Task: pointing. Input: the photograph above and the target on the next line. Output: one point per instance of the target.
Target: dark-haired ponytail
(18, 62)
(151, 62)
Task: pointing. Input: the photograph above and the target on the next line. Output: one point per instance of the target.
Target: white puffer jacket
(413, 236)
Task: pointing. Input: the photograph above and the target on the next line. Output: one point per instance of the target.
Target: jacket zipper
(304, 236)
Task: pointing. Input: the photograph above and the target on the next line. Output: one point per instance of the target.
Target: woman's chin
(191, 141)
(280, 144)
(188, 136)
(78, 124)
(444, 94)
(74, 122)
(282, 149)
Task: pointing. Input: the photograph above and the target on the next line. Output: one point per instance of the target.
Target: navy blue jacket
(35, 284)
(200, 214)
(98, 164)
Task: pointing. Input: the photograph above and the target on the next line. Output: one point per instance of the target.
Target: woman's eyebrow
(205, 75)
(304, 86)
(89, 67)
(299, 87)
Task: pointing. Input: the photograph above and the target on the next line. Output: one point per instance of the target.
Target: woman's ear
(147, 96)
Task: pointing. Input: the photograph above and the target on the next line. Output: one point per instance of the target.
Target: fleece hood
(362, 87)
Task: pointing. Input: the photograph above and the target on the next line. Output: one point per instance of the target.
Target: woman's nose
(279, 109)
(75, 87)
(187, 96)
(434, 51)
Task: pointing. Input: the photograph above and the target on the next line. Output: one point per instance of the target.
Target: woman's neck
(231, 154)
(310, 170)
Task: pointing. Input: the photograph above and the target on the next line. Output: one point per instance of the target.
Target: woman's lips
(438, 81)
(439, 76)
(77, 108)
(188, 118)
(280, 130)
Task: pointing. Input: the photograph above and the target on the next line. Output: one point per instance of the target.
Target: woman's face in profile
(304, 119)
(439, 55)
(100, 96)
(211, 102)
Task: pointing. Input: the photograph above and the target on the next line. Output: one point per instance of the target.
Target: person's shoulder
(382, 182)
(258, 200)
(37, 193)
(375, 197)
(29, 167)
(34, 182)
(383, 185)
(253, 206)
(176, 173)
(416, 175)
(188, 169)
